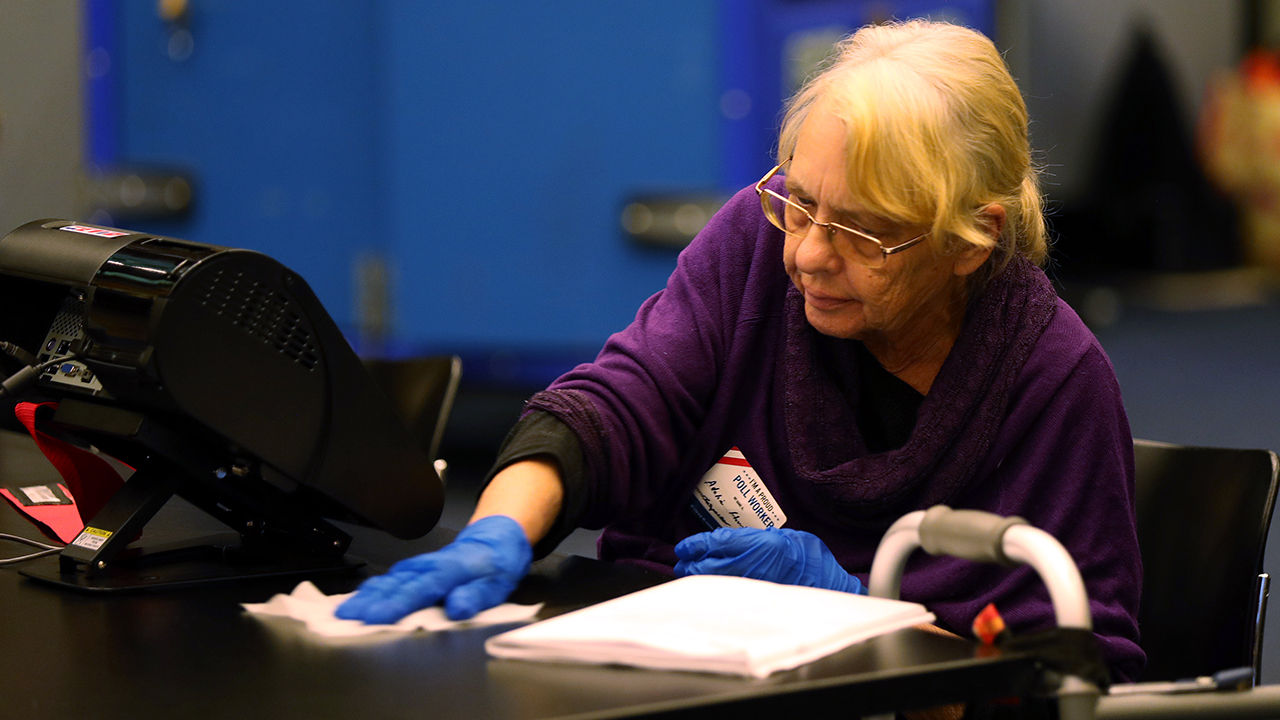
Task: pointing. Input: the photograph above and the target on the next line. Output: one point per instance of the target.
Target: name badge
(732, 495)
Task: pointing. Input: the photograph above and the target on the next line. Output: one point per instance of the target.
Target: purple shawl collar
(954, 427)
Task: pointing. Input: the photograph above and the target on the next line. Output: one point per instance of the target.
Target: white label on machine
(40, 495)
(100, 232)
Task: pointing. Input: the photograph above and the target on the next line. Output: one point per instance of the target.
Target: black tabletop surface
(194, 653)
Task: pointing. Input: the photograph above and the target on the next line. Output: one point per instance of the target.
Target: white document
(711, 623)
(307, 604)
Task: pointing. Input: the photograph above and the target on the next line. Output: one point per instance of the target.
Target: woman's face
(912, 297)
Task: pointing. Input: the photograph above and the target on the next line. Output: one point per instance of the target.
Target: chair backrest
(1202, 516)
(422, 389)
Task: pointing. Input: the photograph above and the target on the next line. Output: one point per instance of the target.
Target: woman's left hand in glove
(790, 557)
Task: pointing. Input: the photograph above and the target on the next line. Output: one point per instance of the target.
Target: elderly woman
(864, 333)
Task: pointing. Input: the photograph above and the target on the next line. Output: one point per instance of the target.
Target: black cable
(22, 380)
(42, 367)
(17, 353)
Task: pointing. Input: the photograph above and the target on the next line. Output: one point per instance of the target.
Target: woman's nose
(816, 254)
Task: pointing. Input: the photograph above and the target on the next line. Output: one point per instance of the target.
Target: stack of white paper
(711, 624)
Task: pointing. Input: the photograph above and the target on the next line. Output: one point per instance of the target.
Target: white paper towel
(307, 604)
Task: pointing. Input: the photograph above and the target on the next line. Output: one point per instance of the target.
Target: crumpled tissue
(308, 604)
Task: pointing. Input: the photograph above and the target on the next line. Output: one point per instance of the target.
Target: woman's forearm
(528, 491)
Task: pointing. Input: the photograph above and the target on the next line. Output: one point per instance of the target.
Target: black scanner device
(219, 377)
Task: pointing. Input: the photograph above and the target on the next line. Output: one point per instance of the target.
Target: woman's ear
(991, 218)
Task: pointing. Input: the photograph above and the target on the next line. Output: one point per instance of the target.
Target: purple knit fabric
(955, 424)
(1025, 418)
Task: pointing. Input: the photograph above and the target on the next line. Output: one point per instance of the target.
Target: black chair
(1203, 516)
(422, 389)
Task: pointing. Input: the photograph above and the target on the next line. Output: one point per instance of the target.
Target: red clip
(988, 626)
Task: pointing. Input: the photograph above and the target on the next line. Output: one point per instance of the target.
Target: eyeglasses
(793, 219)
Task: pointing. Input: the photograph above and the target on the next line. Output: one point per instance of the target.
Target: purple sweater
(723, 357)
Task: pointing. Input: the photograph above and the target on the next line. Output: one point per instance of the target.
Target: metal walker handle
(984, 537)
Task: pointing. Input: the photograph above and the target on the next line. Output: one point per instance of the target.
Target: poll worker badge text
(731, 494)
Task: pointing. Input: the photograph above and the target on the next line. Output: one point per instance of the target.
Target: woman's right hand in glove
(475, 572)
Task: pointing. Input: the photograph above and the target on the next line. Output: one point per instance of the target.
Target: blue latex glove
(475, 572)
(789, 557)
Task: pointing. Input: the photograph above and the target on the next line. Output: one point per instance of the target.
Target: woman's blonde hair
(937, 130)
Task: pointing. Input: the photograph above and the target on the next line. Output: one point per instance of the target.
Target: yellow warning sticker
(91, 538)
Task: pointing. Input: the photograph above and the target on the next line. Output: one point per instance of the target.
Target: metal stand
(104, 558)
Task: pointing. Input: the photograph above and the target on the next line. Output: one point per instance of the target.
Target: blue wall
(274, 114)
(519, 129)
(484, 148)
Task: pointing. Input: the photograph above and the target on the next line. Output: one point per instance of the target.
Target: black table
(193, 653)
